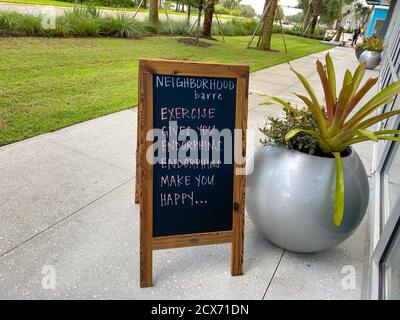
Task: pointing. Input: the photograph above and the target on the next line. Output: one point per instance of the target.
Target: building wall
(385, 198)
(378, 17)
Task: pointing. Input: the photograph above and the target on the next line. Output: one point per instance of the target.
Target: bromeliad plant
(373, 44)
(337, 126)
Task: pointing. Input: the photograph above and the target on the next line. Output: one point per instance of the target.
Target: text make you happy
(203, 88)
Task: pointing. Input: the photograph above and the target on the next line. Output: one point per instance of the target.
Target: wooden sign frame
(144, 170)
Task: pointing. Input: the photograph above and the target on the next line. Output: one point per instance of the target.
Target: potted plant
(308, 190)
(371, 55)
(359, 49)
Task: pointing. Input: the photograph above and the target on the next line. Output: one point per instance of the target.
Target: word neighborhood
(203, 88)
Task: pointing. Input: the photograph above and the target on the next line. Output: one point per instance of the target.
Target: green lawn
(47, 84)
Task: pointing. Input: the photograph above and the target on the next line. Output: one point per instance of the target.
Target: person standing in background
(356, 33)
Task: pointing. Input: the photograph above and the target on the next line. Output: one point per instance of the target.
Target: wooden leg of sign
(146, 184)
(139, 141)
(237, 244)
(146, 259)
(137, 182)
(239, 181)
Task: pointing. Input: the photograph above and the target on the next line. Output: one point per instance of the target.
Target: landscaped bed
(49, 83)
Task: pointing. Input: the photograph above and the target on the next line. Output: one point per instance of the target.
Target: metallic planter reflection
(290, 198)
(371, 59)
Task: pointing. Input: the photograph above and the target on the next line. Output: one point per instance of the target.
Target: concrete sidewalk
(67, 205)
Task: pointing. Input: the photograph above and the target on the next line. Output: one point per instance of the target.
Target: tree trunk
(315, 17)
(208, 18)
(339, 33)
(153, 12)
(145, 4)
(200, 7)
(307, 18)
(263, 22)
(266, 32)
(188, 13)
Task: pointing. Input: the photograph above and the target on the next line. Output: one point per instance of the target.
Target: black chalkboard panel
(192, 198)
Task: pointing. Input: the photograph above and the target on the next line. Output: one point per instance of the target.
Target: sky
(258, 5)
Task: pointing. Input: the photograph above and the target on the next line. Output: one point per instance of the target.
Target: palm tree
(153, 12)
(307, 16)
(208, 18)
(317, 12)
(339, 27)
(264, 42)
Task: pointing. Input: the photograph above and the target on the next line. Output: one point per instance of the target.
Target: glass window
(391, 184)
(378, 27)
(391, 270)
(393, 178)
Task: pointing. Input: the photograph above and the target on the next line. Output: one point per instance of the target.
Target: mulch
(193, 42)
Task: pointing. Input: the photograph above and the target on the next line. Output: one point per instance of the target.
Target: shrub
(163, 27)
(220, 9)
(30, 24)
(63, 27)
(236, 27)
(276, 130)
(235, 12)
(122, 26)
(24, 23)
(9, 20)
(83, 22)
(151, 28)
(106, 3)
(182, 28)
(87, 21)
(319, 32)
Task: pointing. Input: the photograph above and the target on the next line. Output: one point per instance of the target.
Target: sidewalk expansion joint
(65, 218)
(273, 275)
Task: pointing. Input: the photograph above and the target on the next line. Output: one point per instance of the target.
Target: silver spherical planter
(371, 59)
(290, 198)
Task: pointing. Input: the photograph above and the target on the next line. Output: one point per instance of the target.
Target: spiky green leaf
(357, 97)
(348, 78)
(330, 69)
(339, 192)
(316, 111)
(330, 102)
(378, 100)
(380, 132)
(357, 77)
(368, 134)
(371, 121)
(308, 87)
